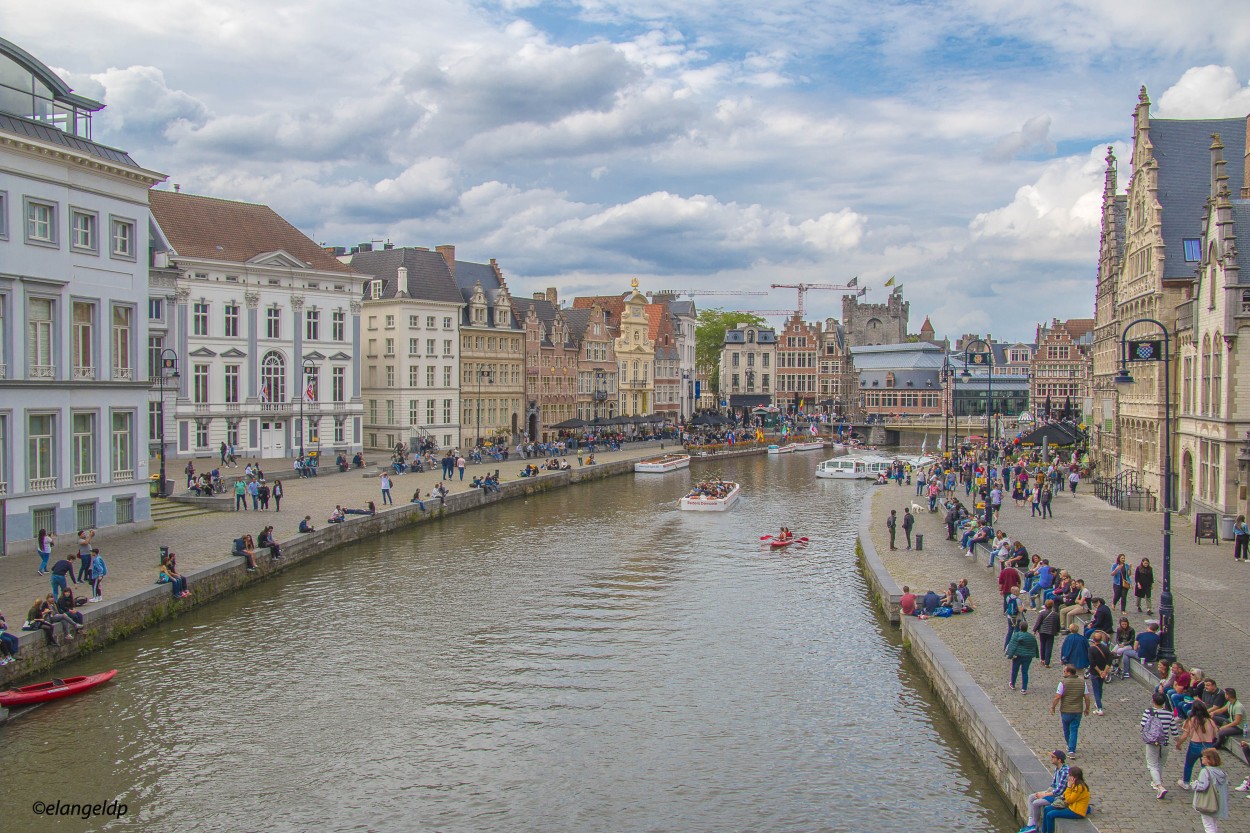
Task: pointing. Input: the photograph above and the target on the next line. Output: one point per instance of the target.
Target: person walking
(460, 465)
(1143, 584)
(253, 490)
(1045, 499)
(1241, 539)
(43, 545)
(891, 523)
(1021, 650)
(1072, 698)
(1199, 731)
(1075, 648)
(1039, 801)
(276, 494)
(240, 495)
(1120, 580)
(1211, 792)
(1075, 801)
(909, 521)
(1046, 626)
(1099, 668)
(1073, 479)
(1158, 727)
(386, 489)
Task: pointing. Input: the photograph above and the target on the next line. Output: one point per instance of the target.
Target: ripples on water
(587, 660)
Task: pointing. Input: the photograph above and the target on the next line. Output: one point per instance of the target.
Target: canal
(587, 660)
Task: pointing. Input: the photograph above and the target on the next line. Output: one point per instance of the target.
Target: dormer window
(375, 290)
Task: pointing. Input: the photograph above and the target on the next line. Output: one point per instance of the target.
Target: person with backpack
(1158, 728)
(98, 572)
(1021, 649)
(1013, 610)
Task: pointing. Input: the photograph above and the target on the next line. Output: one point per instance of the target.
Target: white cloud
(1033, 134)
(1207, 92)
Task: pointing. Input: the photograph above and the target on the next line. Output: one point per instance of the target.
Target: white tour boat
(782, 449)
(813, 445)
(662, 464)
(698, 502)
(850, 467)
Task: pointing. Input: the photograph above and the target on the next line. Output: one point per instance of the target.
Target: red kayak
(52, 690)
(777, 544)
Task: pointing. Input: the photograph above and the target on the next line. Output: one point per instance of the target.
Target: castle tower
(869, 324)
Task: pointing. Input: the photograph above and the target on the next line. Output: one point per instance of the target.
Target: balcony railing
(43, 484)
(4, 371)
(42, 371)
(274, 407)
(87, 479)
(234, 408)
(312, 407)
(84, 374)
(123, 374)
(4, 488)
(202, 407)
(122, 475)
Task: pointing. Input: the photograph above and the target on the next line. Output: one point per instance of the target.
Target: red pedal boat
(28, 695)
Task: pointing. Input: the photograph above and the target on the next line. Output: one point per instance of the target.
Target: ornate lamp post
(167, 370)
(986, 360)
(490, 377)
(1157, 351)
(947, 375)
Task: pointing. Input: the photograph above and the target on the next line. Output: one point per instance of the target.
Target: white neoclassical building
(73, 292)
(265, 328)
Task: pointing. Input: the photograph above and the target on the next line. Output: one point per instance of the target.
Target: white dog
(916, 509)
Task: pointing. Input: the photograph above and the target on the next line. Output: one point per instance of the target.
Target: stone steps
(169, 510)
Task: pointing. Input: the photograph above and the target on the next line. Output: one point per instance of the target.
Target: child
(98, 572)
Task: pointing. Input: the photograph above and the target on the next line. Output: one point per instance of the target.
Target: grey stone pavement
(1084, 537)
(133, 557)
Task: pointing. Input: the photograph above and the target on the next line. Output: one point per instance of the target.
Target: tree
(709, 339)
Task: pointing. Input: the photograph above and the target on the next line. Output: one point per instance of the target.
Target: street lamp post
(169, 362)
(306, 366)
(490, 377)
(1155, 351)
(948, 376)
(985, 359)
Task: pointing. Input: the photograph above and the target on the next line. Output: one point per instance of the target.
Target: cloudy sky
(702, 145)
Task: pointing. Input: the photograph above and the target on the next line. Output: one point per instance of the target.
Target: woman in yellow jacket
(1076, 797)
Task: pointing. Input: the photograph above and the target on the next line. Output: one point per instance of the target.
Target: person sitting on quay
(1043, 581)
(1101, 619)
(67, 604)
(907, 602)
(45, 616)
(1039, 801)
(1125, 638)
(1000, 548)
(1145, 648)
(358, 460)
(1075, 801)
(930, 603)
(169, 573)
(8, 643)
(370, 510)
(590, 461)
(266, 539)
(336, 517)
(416, 498)
(306, 525)
(440, 492)
(246, 548)
(1076, 603)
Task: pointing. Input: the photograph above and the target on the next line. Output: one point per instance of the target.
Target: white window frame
(4, 215)
(89, 241)
(338, 384)
(83, 468)
(231, 375)
(201, 376)
(199, 317)
(41, 460)
(121, 425)
(122, 341)
(82, 340)
(312, 324)
(273, 322)
(230, 319)
(338, 325)
(45, 225)
(123, 234)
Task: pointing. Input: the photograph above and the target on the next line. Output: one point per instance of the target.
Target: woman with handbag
(1199, 731)
(1121, 575)
(1073, 805)
(1211, 792)
(1143, 584)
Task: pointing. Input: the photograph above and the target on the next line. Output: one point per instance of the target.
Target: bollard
(919, 542)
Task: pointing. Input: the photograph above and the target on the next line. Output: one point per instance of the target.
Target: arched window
(273, 377)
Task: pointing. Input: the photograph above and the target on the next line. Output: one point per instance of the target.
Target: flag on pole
(939, 443)
(890, 282)
(853, 281)
(310, 390)
(264, 392)
(812, 428)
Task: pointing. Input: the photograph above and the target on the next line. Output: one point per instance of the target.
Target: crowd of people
(1044, 604)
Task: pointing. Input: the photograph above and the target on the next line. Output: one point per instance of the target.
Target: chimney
(365, 247)
(449, 255)
(551, 295)
(538, 296)
(178, 188)
(401, 287)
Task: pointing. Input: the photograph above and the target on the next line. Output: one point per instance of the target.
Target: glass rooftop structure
(30, 90)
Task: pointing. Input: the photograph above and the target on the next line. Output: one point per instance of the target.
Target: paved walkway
(1084, 537)
(133, 557)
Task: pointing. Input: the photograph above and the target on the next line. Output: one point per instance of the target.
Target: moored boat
(712, 497)
(662, 464)
(782, 449)
(53, 689)
(854, 467)
(809, 446)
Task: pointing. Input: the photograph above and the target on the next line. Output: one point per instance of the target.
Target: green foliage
(709, 339)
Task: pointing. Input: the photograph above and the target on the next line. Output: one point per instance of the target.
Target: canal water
(588, 660)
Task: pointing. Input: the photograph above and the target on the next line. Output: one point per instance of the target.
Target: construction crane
(786, 312)
(849, 286)
(693, 292)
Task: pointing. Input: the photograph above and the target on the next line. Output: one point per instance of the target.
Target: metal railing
(42, 371)
(123, 374)
(1124, 491)
(81, 374)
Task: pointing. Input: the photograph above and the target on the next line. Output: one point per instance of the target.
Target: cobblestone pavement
(133, 558)
(1084, 537)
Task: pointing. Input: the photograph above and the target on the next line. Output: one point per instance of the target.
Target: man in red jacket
(1008, 578)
